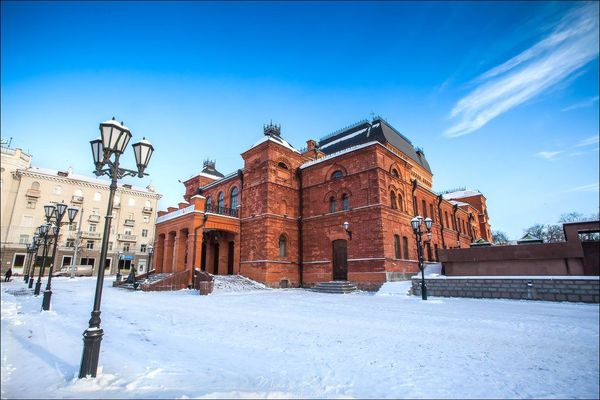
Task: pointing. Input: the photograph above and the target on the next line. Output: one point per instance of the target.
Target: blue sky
(502, 97)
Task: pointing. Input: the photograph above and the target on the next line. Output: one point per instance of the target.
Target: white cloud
(581, 104)
(592, 187)
(588, 141)
(548, 155)
(572, 44)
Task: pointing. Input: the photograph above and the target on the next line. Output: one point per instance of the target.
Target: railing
(129, 222)
(232, 212)
(127, 238)
(77, 199)
(94, 218)
(176, 281)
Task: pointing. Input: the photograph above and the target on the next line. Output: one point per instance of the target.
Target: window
(424, 208)
(23, 239)
(131, 202)
(429, 255)
(143, 248)
(415, 209)
(57, 189)
(73, 226)
(127, 231)
(400, 202)
(27, 221)
(95, 211)
(78, 193)
(31, 203)
(70, 243)
(98, 197)
(117, 201)
(337, 174)
(146, 219)
(129, 215)
(395, 173)
(282, 246)
(66, 261)
(345, 202)
(435, 249)
(110, 246)
(208, 202)
(144, 232)
(393, 203)
(282, 165)
(35, 185)
(19, 260)
(234, 198)
(396, 246)
(147, 204)
(220, 201)
(405, 246)
(125, 246)
(332, 204)
(87, 261)
(431, 214)
(446, 216)
(93, 227)
(89, 245)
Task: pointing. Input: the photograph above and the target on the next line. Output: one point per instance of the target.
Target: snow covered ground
(247, 341)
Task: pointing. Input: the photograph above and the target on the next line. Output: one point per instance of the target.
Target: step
(336, 287)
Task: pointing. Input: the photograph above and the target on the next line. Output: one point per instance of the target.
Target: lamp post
(38, 242)
(113, 141)
(46, 230)
(59, 212)
(118, 277)
(416, 226)
(150, 252)
(31, 250)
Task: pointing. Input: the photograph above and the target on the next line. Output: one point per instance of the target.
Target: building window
(332, 204)
(429, 255)
(337, 174)
(143, 248)
(435, 249)
(110, 246)
(405, 247)
(395, 173)
(446, 216)
(131, 202)
(89, 245)
(220, 201)
(97, 196)
(234, 197)
(35, 185)
(19, 260)
(400, 202)
(127, 231)
(393, 203)
(396, 246)
(93, 227)
(424, 208)
(415, 209)
(73, 226)
(70, 243)
(345, 202)
(23, 239)
(432, 215)
(282, 246)
(146, 219)
(282, 165)
(87, 261)
(208, 202)
(125, 246)
(31, 203)
(27, 221)
(57, 189)
(144, 232)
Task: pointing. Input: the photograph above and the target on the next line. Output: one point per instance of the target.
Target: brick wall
(533, 288)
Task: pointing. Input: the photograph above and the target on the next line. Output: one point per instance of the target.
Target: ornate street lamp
(59, 213)
(46, 230)
(150, 252)
(113, 141)
(31, 250)
(346, 226)
(38, 243)
(416, 223)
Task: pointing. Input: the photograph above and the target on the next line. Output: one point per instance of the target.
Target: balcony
(231, 212)
(147, 210)
(32, 193)
(129, 222)
(127, 238)
(90, 235)
(94, 218)
(77, 199)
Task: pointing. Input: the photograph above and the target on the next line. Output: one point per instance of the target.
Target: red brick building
(279, 220)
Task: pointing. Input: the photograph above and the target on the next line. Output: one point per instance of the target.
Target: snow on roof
(344, 138)
(460, 194)
(277, 140)
(458, 203)
(337, 154)
(220, 180)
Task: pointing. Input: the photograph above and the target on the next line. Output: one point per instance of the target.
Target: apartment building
(26, 189)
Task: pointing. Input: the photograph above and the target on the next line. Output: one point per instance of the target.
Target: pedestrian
(8, 274)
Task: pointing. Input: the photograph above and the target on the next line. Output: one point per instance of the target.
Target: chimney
(310, 144)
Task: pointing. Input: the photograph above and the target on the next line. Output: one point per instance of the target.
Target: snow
(248, 341)
(278, 140)
(343, 138)
(460, 194)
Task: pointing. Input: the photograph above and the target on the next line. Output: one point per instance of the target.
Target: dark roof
(209, 168)
(364, 132)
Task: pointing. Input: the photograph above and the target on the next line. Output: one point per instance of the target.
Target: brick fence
(550, 288)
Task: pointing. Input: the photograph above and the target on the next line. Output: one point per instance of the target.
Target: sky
(502, 97)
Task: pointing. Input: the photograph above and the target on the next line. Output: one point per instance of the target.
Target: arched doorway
(340, 260)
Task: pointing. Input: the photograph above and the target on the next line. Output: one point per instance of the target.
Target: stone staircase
(341, 287)
(153, 278)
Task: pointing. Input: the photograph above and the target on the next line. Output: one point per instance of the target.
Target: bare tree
(500, 237)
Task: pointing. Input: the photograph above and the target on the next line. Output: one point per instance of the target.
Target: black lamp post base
(423, 292)
(119, 276)
(30, 283)
(38, 286)
(46, 301)
(92, 338)
(25, 278)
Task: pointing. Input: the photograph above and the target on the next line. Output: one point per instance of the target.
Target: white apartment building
(25, 191)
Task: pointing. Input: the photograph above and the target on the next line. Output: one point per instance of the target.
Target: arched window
(396, 246)
(35, 185)
(221, 201)
(208, 203)
(332, 204)
(147, 204)
(393, 203)
(400, 202)
(424, 207)
(234, 198)
(282, 246)
(282, 165)
(405, 246)
(395, 173)
(337, 174)
(345, 202)
(431, 213)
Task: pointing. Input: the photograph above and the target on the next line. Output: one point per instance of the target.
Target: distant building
(25, 191)
(280, 219)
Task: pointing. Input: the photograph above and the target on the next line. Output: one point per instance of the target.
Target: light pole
(150, 252)
(46, 230)
(416, 226)
(59, 212)
(38, 243)
(113, 141)
(118, 276)
(31, 250)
